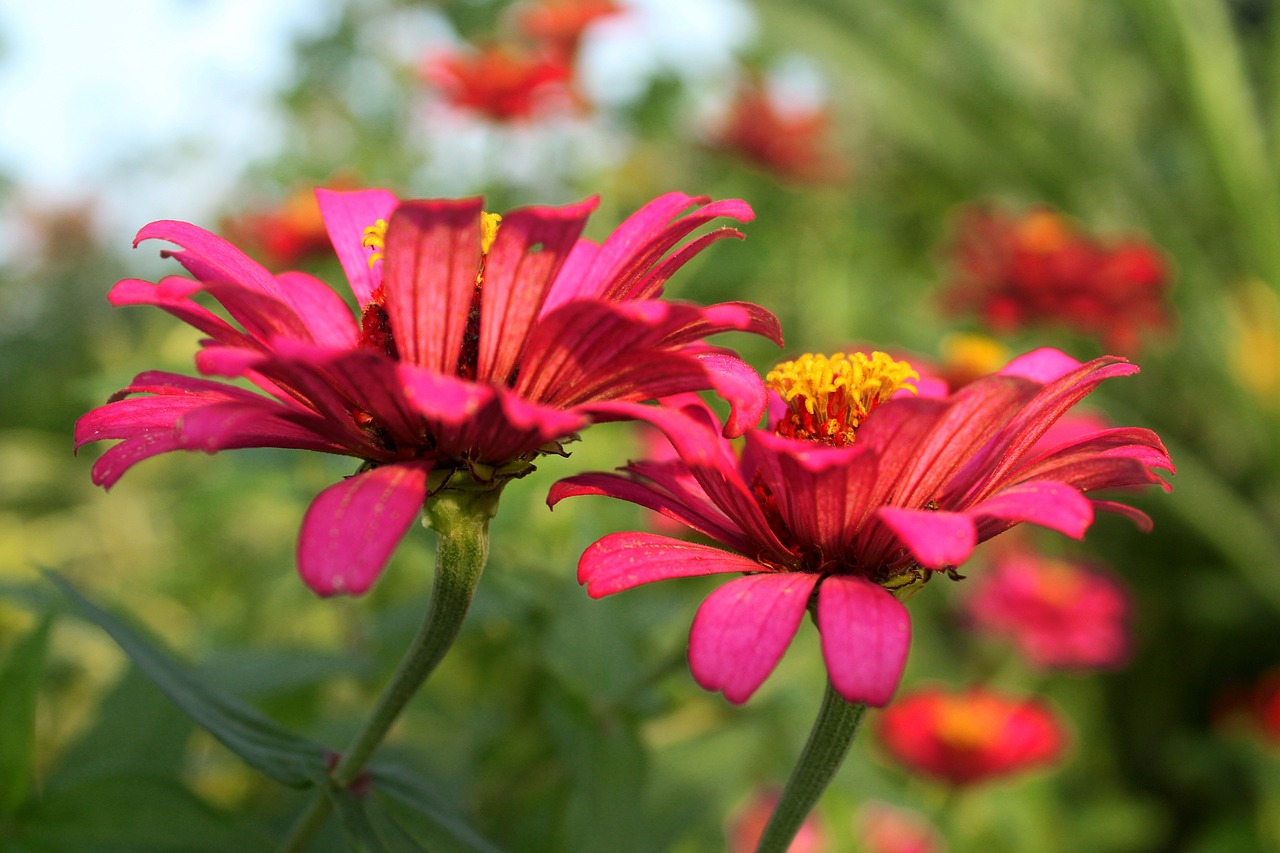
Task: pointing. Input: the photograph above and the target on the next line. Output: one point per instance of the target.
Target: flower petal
(621, 561)
(1056, 506)
(743, 628)
(352, 527)
(346, 215)
(865, 636)
(935, 538)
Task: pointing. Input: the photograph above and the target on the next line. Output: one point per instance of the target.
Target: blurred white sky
(89, 86)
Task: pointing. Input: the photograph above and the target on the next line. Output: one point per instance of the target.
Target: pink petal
(429, 272)
(442, 397)
(624, 560)
(935, 538)
(1056, 506)
(327, 317)
(530, 248)
(1043, 365)
(738, 384)
(346, 215)
(210, 258)
(173, 294)
(865, 636)
(743, 628)
(352, 527)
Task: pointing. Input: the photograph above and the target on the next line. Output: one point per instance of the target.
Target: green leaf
(264, 744)
(130, 813)
(20, 676)
(413, 809)
(350, 809)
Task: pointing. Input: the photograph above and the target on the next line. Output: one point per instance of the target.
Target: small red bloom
(968, 736)
(1040, 269)
(557, 25)
(478, 346)
(748, 823)
(859, 493)
(793, 143)
(502, 82)
(1061, 614)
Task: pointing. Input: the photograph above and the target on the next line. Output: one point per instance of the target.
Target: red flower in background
(793, 143)
(558, 25)
(1040, 269)
(748, 823)
(973, 735)
(503, 82)
(481, 343)
(859, 491)
(1061, 614)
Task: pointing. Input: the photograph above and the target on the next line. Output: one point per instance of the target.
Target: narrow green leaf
(264, 744)
(416, 811)
(130, 813)
(20, 676)
(355, 820)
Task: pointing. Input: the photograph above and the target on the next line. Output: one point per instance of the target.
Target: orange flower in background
(1040, 269)
(747, 825)
(558, 25)
(973, 735)
(789, 141)
(882, 828)
(1061, 614)
(502, 82)
(287, 234)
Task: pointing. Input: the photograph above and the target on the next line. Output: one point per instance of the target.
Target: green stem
(823, 754)
(461, 520)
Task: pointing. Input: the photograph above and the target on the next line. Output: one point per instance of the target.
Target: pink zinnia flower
(860, 491)
(972, 735)
(1061, 614)
(1039, 268)
(478, 347)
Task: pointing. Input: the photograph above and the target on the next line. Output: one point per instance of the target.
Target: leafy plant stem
(824, 752)
(460, 517)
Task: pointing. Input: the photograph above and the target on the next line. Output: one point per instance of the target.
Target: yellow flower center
(969, 722)
(375, 238)
(967, 356)
(489, 223)
(829, 398)
(1043, 232)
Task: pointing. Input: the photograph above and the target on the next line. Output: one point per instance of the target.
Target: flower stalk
(460, 517)
(829, 741)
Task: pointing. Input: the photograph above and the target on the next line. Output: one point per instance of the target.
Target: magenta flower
(1061, 614)
(481, 342)
(874, 490)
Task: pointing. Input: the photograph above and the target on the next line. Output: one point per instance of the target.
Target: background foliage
(560, 723)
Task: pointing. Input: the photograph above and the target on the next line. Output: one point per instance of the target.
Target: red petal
(935, 539)
(353, 526)
(743, 628)
(865, 636)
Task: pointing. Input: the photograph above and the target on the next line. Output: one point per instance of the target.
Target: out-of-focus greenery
(564, 724)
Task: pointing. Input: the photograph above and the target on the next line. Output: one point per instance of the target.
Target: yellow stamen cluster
(828, 398)
(489, 223)
(375, 237)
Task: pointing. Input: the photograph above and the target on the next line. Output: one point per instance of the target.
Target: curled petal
(743, 628)
(865, 636)
(352, 527)
(1056, 506)
(624, 560)
(936, 539)
(739, 384)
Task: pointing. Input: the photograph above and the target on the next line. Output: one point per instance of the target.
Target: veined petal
(429, 273)
(743, 628)
(621, 561)
(210, 258)
(346, 215)
(866, 633)
(173, 294)
(531, 246)
(328, 320)
(1056, 506)
(442, 397)
(935, 538)
(352, 527)
(1042, 365)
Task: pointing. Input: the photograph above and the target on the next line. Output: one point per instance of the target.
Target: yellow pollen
(829, 398)
(375, 237)
(489, 223)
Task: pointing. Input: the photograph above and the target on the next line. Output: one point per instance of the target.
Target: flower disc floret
(829, 397)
